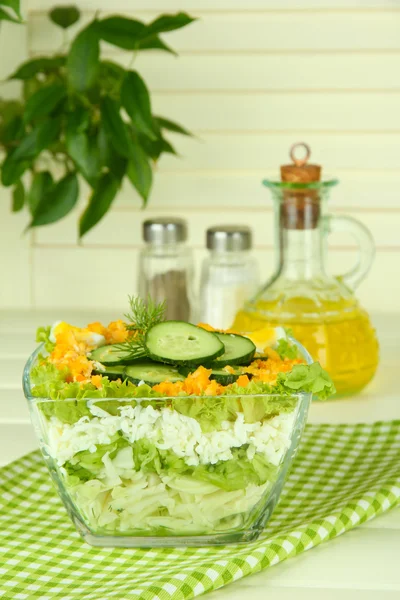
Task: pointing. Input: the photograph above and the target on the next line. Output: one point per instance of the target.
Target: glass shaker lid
(229, 238)
(164, 230)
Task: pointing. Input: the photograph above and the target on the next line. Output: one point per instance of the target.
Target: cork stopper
(300, 207)
(300, 171)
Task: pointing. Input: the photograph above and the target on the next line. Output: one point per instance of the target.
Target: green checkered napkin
(343, 476)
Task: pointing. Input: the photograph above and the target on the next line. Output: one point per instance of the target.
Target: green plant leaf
(12, 131)
(79, 119)
(165, 23)
(172, 126)
(115, 128)
(153, 42)
(64, 16)
(83, 150)
(41, 185)
(104, 145)
(5, 16)
(44, 101)
(32, 67)
(18, 197)
(99, 203)
(12, 170)
(58, 203)
(154, 148)
(30, 87)
(150, 39)
(83, 59)
(9, 109)
(111, 77)
(42, 136)
(115, 163)
(135, 99)
(121, 31)
(140, 173)
(111, 69)
(167, 147)
(14, 5)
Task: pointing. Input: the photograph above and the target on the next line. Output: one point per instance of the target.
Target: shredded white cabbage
(189, 506)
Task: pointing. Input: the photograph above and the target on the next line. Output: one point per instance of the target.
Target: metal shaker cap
(229, 238)
(164, 230)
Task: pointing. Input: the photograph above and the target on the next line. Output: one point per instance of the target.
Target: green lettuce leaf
(238, 472)
(146, 456)
(149, 459)
(257, 400)
(43, 336)
(286, 350)
(172, 463)
(211, 412)
(307, 378)
(44, 374)
(208, 412)
(87, 465)
(234, 474)
(69, 411)
(68, 401)
(256, 408)
(50, 383)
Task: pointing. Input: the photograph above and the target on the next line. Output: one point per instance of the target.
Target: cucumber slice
(112, 373)
(111, 355)
(239, 350)
(223, 377)
(152, 373)
(220, 375)
(181, 343)
(186, 370)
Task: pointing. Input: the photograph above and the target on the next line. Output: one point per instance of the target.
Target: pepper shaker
(166, 267)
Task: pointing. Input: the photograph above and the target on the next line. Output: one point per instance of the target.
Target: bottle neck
(301, 253)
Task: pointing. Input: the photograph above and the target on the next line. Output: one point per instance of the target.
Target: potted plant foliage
(89, 116)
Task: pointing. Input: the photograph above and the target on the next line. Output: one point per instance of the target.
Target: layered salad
(167, 428)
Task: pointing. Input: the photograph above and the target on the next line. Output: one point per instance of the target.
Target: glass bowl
(137, 473)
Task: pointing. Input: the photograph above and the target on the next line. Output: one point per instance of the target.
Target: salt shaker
(166, 267)
(229, 274)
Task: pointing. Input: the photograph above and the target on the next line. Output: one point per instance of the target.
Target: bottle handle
(366, 247)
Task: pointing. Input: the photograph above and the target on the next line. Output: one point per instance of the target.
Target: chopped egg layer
(73, 344)
(170, 430)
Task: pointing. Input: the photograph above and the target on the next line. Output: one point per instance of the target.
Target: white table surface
(363, 564)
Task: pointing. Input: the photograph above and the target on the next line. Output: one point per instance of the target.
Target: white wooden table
(363, 564)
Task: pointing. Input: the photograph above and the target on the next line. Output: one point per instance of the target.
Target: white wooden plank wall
(253, 76)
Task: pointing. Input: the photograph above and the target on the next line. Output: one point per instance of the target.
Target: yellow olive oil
(342, 340)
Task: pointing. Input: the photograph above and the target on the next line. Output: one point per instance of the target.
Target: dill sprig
(142, 316)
